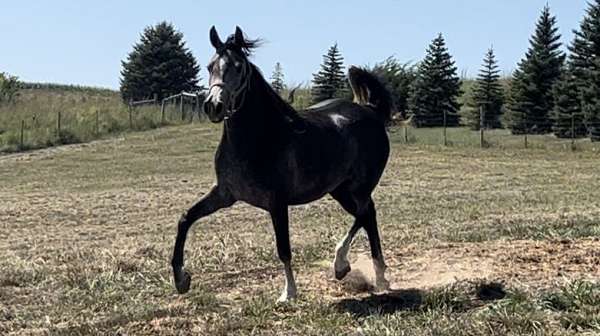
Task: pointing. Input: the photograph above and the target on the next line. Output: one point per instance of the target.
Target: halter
(231, 109)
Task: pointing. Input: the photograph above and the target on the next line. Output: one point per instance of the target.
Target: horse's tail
(369, 91)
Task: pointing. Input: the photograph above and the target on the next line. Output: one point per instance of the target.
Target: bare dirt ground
(86, 233)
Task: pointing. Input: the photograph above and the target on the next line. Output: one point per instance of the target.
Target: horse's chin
(216, 119)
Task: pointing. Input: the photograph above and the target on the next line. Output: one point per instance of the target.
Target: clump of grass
(452, 298)
(573, 296)
(578, 304)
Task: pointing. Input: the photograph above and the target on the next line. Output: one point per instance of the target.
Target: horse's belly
(311, 189)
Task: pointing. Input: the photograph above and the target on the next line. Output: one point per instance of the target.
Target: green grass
(499, 241)
(499, 138)
(85, 114)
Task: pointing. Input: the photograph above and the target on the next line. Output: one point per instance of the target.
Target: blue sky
(83, 42)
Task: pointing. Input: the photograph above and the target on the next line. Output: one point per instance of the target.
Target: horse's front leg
(216, 199)
(279, 215)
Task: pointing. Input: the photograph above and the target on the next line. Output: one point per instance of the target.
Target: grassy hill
(85, 113)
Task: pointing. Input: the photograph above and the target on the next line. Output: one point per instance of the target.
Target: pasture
(46, 115)
(501, 241)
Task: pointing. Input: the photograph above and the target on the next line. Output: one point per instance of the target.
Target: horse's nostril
(219, 108)
(206, 107)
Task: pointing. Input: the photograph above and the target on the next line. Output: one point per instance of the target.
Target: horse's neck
(256, 126)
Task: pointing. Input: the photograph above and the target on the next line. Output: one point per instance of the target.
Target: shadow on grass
(456, 297)
(383, 304)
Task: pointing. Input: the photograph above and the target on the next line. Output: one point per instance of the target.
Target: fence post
(481, 126)
(97, 123)
(58, 130)
(130, 108)
(192, 112)
(22, 134)
(181, 107)
(445, 137)
(405, 133)
(199, 106)
(573, 131)
(526, 140)
(162, 112)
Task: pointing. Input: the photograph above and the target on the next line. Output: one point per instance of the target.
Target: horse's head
(230, 72)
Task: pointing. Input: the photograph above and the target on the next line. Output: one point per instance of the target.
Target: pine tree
(590, 100)
(398, 78)
(277, 79)
(584, 60)
(487, 96)
(519, 102)
(436, 88)
(532, 95)
(567, 115)
(9, 88)
(160, 64)
(330, 81)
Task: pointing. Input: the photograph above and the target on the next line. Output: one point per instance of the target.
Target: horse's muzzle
(215, 112)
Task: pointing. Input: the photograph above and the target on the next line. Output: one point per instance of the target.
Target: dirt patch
(51, 151)
(535, 264)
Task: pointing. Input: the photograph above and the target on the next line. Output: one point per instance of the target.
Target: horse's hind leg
(341, 265)
(365, 217)
(369, 220)
(216, 199)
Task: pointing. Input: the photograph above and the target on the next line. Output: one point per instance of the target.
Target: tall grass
(52, 115)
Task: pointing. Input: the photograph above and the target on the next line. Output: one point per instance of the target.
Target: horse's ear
(215, 40)
(239, 36)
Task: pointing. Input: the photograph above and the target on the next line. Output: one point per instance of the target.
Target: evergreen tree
(398, 78)
(487, 95)
(277, 79)
(567, 115)
(9, 88)
(160, 64)
(590, 100)
(436, 88)
(519, 101)
(584, 59)
(532, 100)
(330, 81)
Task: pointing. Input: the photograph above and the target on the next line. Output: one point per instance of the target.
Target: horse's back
(344, 143)
(338, 113)
(353, 122)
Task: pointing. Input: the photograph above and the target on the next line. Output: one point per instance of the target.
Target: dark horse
(272, 157)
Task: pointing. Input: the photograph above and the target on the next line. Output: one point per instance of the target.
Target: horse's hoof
(183, 286)
(382, 285)
(286, 298)
(341, 273)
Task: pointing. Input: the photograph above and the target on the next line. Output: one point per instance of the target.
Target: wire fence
(66, 126)
(571, 132)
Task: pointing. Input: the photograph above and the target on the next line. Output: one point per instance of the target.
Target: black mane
(260, 84)
(247, 46)
(282, 107)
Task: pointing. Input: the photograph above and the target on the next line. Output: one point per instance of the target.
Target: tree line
(549, 92)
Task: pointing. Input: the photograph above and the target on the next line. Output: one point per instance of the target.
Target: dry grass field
(500, 241)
